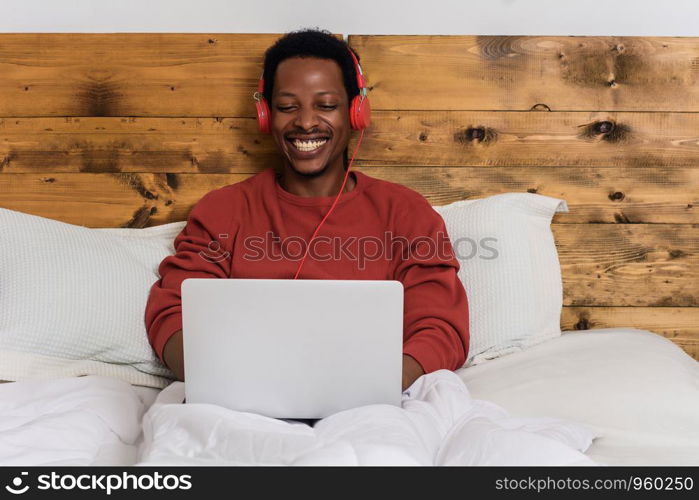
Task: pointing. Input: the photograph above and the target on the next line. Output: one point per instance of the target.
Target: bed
(109, 140)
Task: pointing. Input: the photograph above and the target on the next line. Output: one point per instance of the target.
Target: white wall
(448, 17)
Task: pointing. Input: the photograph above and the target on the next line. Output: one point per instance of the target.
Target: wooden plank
(600, 195)
(128, 144)
(532, 138)
(629, 264)
(110, 200)
(622, 195)
(521, 72)
(431, 138)
(130, 74)
(198, 74)
(679, 324)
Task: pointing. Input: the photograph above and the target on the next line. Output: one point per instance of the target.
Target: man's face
(310, 117)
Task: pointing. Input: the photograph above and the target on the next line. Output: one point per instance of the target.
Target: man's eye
(322, 106)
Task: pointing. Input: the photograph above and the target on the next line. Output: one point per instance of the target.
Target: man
(255, 228)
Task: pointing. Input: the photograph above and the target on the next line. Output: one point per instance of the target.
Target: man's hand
(411, 371)
(173, 355)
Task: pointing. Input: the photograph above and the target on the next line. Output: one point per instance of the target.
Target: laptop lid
(292, 348)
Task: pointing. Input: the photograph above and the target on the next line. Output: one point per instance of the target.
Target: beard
(310, 175)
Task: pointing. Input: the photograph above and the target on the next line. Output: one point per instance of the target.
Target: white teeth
(308, 145)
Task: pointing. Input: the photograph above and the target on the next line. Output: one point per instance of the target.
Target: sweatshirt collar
(317, 201)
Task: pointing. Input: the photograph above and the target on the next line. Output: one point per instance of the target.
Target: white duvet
(637, 392)
(101, 420)
(69, 421)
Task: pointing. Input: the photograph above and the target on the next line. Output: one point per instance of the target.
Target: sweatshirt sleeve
(202, 250)
(436, 328)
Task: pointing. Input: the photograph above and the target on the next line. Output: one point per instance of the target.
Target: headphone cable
(308, 247)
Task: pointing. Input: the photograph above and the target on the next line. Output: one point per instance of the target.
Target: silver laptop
(293, 349)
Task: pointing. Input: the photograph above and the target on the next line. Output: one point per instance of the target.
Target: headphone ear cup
(360, 113)
(263, 116)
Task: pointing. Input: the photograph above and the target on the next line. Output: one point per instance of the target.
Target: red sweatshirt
(378, 231)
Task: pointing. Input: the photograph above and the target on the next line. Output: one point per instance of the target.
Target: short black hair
(311, 43)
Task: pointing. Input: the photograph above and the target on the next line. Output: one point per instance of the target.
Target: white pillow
(509, 268)
(72, 299)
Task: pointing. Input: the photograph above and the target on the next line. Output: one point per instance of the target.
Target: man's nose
(306, 118)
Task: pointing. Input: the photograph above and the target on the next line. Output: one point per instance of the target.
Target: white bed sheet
(92, 420)
(97, 420)
(438, 424)
(637, 389)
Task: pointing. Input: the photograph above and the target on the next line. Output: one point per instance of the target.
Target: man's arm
(436, 327)
(173, 355)
(202, 250)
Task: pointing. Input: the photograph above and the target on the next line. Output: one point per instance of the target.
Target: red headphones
(360, 112)
(360, 117)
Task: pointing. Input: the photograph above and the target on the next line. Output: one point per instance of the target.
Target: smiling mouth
(306, 146)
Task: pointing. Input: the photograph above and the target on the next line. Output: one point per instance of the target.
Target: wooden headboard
(130, 130)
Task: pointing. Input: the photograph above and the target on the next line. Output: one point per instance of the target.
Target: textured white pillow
(509, 268)
(72, 299)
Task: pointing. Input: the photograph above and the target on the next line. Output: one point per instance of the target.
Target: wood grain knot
(604, 127)
(606, 130)
(171, 180)
(622, 218)
(583, 324)
(475, 134)
(616, 196)
(676, 254)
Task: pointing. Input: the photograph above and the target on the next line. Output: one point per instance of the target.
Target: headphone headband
(357, 70)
